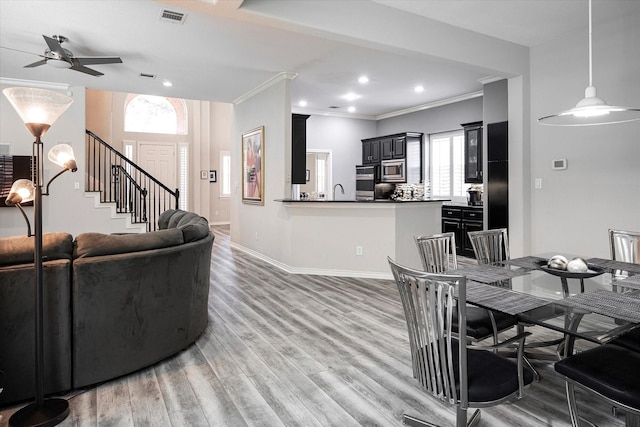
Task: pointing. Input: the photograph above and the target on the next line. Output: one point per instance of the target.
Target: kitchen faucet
(334, 190)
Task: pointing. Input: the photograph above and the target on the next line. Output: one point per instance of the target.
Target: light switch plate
(204, 174)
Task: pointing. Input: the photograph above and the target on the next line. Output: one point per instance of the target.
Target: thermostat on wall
(559, 164)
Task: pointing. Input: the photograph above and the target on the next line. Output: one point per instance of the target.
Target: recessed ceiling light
(418, 89)
(167, 84)
(352, 109)
(363, 80)
(351, 96)
(302, 103)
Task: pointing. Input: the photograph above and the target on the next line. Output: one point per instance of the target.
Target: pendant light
(591, 110)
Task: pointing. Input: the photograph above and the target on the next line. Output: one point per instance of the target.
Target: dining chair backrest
(437, 252)
(429, 304)
(490, 246)
(625, 245)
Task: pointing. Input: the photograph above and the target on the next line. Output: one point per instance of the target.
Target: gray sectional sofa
(113, 303)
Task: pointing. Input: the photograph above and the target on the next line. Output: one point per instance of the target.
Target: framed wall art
(253, 167)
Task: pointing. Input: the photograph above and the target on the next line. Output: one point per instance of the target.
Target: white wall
(433, 120)
(343, 137)
(221, 120)
(600, 189)
(264, 229)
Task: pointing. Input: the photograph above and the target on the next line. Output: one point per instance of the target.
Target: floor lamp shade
(38, 108)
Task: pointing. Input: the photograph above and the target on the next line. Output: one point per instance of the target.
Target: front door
(159, 160)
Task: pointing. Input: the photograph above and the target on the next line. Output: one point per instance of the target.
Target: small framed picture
(308, 175)
(213, 176)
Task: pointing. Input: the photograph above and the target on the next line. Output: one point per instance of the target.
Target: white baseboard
(313, 271)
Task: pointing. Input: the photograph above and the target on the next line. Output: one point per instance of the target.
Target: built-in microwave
(394, 170)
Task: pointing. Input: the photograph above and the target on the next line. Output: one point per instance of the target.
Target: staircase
(116, 183)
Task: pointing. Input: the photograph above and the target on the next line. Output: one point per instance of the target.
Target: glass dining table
(596, 306)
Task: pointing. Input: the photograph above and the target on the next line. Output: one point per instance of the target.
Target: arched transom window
(155, 114)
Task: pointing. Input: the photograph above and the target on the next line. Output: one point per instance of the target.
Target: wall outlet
(359, 250)
(217, 213)
(538, 183)
(256, 236)
(204, 174)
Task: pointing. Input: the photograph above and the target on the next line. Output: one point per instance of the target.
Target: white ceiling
(226, 49)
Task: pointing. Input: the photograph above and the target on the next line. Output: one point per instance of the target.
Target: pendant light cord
(590, 50)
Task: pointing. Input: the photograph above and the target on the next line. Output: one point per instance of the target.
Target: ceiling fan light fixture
(58, 63)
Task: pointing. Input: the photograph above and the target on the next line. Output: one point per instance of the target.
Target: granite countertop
(360, 201)
(466, 205)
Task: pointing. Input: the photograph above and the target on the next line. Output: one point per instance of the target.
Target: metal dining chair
(625, 246)
(490, 247)
(445, 367)
(438, 255)
(610, 372)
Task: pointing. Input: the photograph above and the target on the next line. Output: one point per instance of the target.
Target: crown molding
(332, 114)
(490, 79)
(33, 83)
(434, 104)
(285, 75)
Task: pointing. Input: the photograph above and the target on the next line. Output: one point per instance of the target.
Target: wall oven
(365, 182)
(394, 170)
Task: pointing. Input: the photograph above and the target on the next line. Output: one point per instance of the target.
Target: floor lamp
(39, 109)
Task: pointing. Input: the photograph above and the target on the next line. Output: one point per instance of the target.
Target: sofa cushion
(19, 249)
(193, 226)
(97, 244)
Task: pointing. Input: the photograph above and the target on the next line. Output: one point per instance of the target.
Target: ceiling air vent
(147, 75)
(173, 17)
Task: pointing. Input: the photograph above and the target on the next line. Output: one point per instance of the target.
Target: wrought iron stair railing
(120, 181)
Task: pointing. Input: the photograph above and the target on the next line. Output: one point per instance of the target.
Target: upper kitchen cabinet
(370, 151)
(299, 148)
(393, 148)
(389, 147)
(472, 152)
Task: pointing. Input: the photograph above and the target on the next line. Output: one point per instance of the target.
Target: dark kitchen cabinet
(299, 148)
(459, 220)
(393, 148)
(370, 151)
(497, 193)
(472, 152)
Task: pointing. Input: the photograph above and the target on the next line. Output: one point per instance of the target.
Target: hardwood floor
(299, 350)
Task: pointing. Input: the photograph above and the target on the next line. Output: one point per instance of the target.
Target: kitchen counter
(361, 201)
(354, 238)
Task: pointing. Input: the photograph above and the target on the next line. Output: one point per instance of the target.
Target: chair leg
(475, 419)
(461, 417)
(571, 400)
(410, 421)
(536, 375)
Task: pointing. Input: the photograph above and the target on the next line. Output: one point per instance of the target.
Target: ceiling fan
(59, 57)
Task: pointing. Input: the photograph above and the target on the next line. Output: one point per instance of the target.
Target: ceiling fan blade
(23, 51)
(36, 64)
(86, 70)
(54, 46)
(99, 60)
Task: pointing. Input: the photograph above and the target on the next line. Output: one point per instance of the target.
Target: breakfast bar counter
(354, 238)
